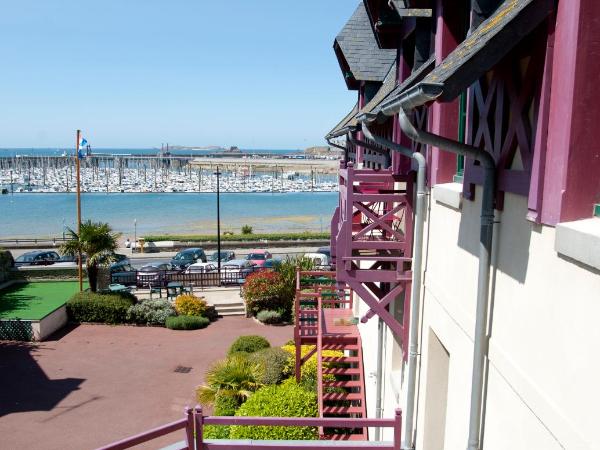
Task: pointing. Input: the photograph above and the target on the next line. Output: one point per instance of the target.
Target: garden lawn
(33, 301)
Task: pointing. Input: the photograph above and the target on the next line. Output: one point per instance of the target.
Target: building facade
(505, 344)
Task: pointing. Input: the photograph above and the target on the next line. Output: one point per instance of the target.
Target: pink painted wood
(571, 183)
(195, 421)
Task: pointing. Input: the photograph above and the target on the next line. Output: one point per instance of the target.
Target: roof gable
(358, 53)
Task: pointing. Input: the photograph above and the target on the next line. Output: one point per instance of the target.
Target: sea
(48, 215)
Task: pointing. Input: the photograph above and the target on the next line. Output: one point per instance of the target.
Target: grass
(238, 237)
(33, 301)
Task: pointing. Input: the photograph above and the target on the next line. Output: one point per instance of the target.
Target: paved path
(96, 384)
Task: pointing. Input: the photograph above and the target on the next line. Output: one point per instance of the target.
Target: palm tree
(97, 241)
(236, 376)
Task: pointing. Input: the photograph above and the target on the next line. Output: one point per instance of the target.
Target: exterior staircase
(324, 319)
(374, 242)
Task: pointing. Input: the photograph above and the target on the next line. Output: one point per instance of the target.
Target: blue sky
(135, 73)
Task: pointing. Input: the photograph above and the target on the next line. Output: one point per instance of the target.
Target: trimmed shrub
(308, 375)
(285, 400)
(190, 305)
(186, 322)
(151, 312)
(246, 229)
(262, 291)
(248, 344)
(211, 313)
(269, 317)
(234, 377)
(225, 405)
(273, 363)
(100, 308)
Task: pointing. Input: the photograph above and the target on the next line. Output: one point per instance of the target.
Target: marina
(113, 173)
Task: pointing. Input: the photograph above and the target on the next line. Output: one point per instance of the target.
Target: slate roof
(482, 49)
(409, 82)
(388, 86)
(358, 48)
(342, 127)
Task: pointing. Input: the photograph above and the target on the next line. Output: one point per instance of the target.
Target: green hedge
(186, 322)
(273, 362)
(269, 317)
(285, 400)
(248, 344)
(225, 405)
(238, 237)
(100, 308)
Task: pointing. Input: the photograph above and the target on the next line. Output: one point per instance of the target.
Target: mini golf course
(33, 311)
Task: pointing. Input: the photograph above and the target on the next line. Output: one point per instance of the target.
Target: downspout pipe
(415, 296)
(379, 378)
(421, 95)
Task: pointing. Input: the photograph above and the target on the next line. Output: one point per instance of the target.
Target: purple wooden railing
(194, 422)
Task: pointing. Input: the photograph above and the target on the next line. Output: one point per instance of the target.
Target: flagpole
(80, 268)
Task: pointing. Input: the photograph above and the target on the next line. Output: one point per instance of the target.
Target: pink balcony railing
(194, 421)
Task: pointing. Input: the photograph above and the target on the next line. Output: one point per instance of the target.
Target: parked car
(188, 257)
(325, 251)
(37, 258)
(156, 273)
(201, 267)
(123, 273)
(226, 255)
(236, 271)
(258, 257)
(320, 260)
(271, 264)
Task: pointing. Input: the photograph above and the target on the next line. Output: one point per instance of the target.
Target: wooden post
(79, 265)
(397, 429)
(189, 428)
(199, 421)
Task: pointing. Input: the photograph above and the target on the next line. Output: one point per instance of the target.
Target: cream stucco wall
(543, 387)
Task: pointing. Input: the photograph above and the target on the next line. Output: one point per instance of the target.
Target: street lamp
(134, 235)
(218, 174)
(63, 229)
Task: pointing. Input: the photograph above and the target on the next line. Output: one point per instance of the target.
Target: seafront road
(139, 259)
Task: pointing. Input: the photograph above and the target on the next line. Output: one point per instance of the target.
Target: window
(462, 127)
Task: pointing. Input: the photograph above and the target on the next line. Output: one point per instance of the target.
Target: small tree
(246, 229)
(235, 377)
(97, 241)
(287, 273)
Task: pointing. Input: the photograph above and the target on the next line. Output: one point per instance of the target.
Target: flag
(82, 145)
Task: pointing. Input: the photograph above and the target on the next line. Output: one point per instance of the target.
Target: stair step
(339, 410)
(343, 437)
(342, 383)
(340, 359)
(340, 347)
(339, 396)
(342, 371)
(229, 307)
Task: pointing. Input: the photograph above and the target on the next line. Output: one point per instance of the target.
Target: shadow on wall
(513, 234)
(23, 384)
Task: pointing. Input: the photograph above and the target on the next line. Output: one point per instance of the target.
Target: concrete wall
(543, 388)
(49, 324)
